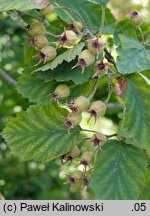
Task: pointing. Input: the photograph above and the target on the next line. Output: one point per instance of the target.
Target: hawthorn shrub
(65, 61)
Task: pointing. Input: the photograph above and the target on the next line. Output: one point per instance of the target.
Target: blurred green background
(34, 180)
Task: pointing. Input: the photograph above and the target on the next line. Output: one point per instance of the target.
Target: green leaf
(133, 56)
(39, 133)
(6, 5)
(101, 2)
(67, 56)
(145, 194)
(29, 86)
(64, 72)
(91, 13)
(126, 28)
(135, 126)
(119, 172)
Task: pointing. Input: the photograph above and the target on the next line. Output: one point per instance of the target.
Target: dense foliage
(86, 76)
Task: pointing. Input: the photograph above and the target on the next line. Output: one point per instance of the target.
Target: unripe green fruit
(68, 38)
(73, 120)
(47, 53)
(98, 107)
(136, 18)
(87, 158)
(95, 46)
(40, 41)
(71, 155)
(76, 24)
(45, 11)
(87, 57)
(82, 103)
(61, 92)
(99, 139)
(74, 177)
(74, 152)
(36, 29)
(79, 25)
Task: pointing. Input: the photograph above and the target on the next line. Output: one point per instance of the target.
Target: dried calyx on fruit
(38, 41)
(46, 54)
(136, 18)
(85, 59)
(98, 108)
(73, 120)
(68, 38)
(101, 67)
(98, 140)
(47, 10)
(86, 159)
(74, 178)
(85, 181)
(80, 104)
(96, 45)
(62, 91)
(71, 155)
(35, 29)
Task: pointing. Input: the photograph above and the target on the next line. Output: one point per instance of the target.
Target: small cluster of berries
(37, 33)
(77, 106)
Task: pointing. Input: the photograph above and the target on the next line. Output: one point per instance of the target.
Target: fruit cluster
(91, 55)
(47, 51)
(76, 107)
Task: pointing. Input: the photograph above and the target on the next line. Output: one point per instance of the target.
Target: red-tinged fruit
(120, 87)
(96, 45)
(101, 67)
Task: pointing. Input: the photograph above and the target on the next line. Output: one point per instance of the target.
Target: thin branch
(33, 17)
(70, 9)
(112, 72)
(109, 88)
(114, 106)
(7, 78)
(94, 88)
(139, 27)
(111, 135)
(109, 57)
(93, 131)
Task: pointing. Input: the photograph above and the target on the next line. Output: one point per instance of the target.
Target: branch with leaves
(7, 78)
